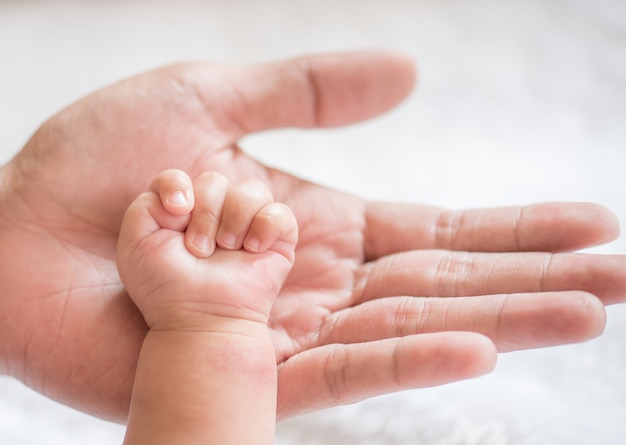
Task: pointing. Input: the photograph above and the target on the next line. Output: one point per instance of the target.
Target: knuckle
(211, 184)
(451, 274)
(447, 229)
(255, 189)
(213, 177)
(335, 374)
(207, 219)
(169, 180)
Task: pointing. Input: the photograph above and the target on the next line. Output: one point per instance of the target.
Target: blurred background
(517, 102)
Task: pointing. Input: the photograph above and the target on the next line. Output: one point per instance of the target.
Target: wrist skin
(213, 383)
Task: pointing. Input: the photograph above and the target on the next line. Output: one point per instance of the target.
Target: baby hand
(189, 251)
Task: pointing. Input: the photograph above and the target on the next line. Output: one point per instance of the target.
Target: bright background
(518, 102)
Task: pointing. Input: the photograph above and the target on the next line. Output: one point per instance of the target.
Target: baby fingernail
(202, 244)
(253, 244)
(227, 240)
(178, 199)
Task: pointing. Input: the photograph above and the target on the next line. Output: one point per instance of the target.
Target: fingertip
(200, 245)
(482, 352)
(227, 241)
(588, 316)
(273, 227)
(252, 244)
(568, 226)
(399, 64)
(359, 85)
(607, 220)
(175, 190)
(288, 223)
(459, 355)
(407, 66)
(177, 199)
(549, 319)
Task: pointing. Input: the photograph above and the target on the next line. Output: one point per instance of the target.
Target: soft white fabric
(518, 102)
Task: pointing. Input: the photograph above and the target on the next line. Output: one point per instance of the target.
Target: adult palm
(364, 310)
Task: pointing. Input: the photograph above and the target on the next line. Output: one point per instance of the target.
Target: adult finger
(316, 91)
(341, 374)
(442, 273)
(549, 227)
(513, 321)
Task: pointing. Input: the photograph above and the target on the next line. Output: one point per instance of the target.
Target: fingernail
(202, 243)
(178, 199)
(227, 240)
(252, 244)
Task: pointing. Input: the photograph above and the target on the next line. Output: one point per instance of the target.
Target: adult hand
(366, 309)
